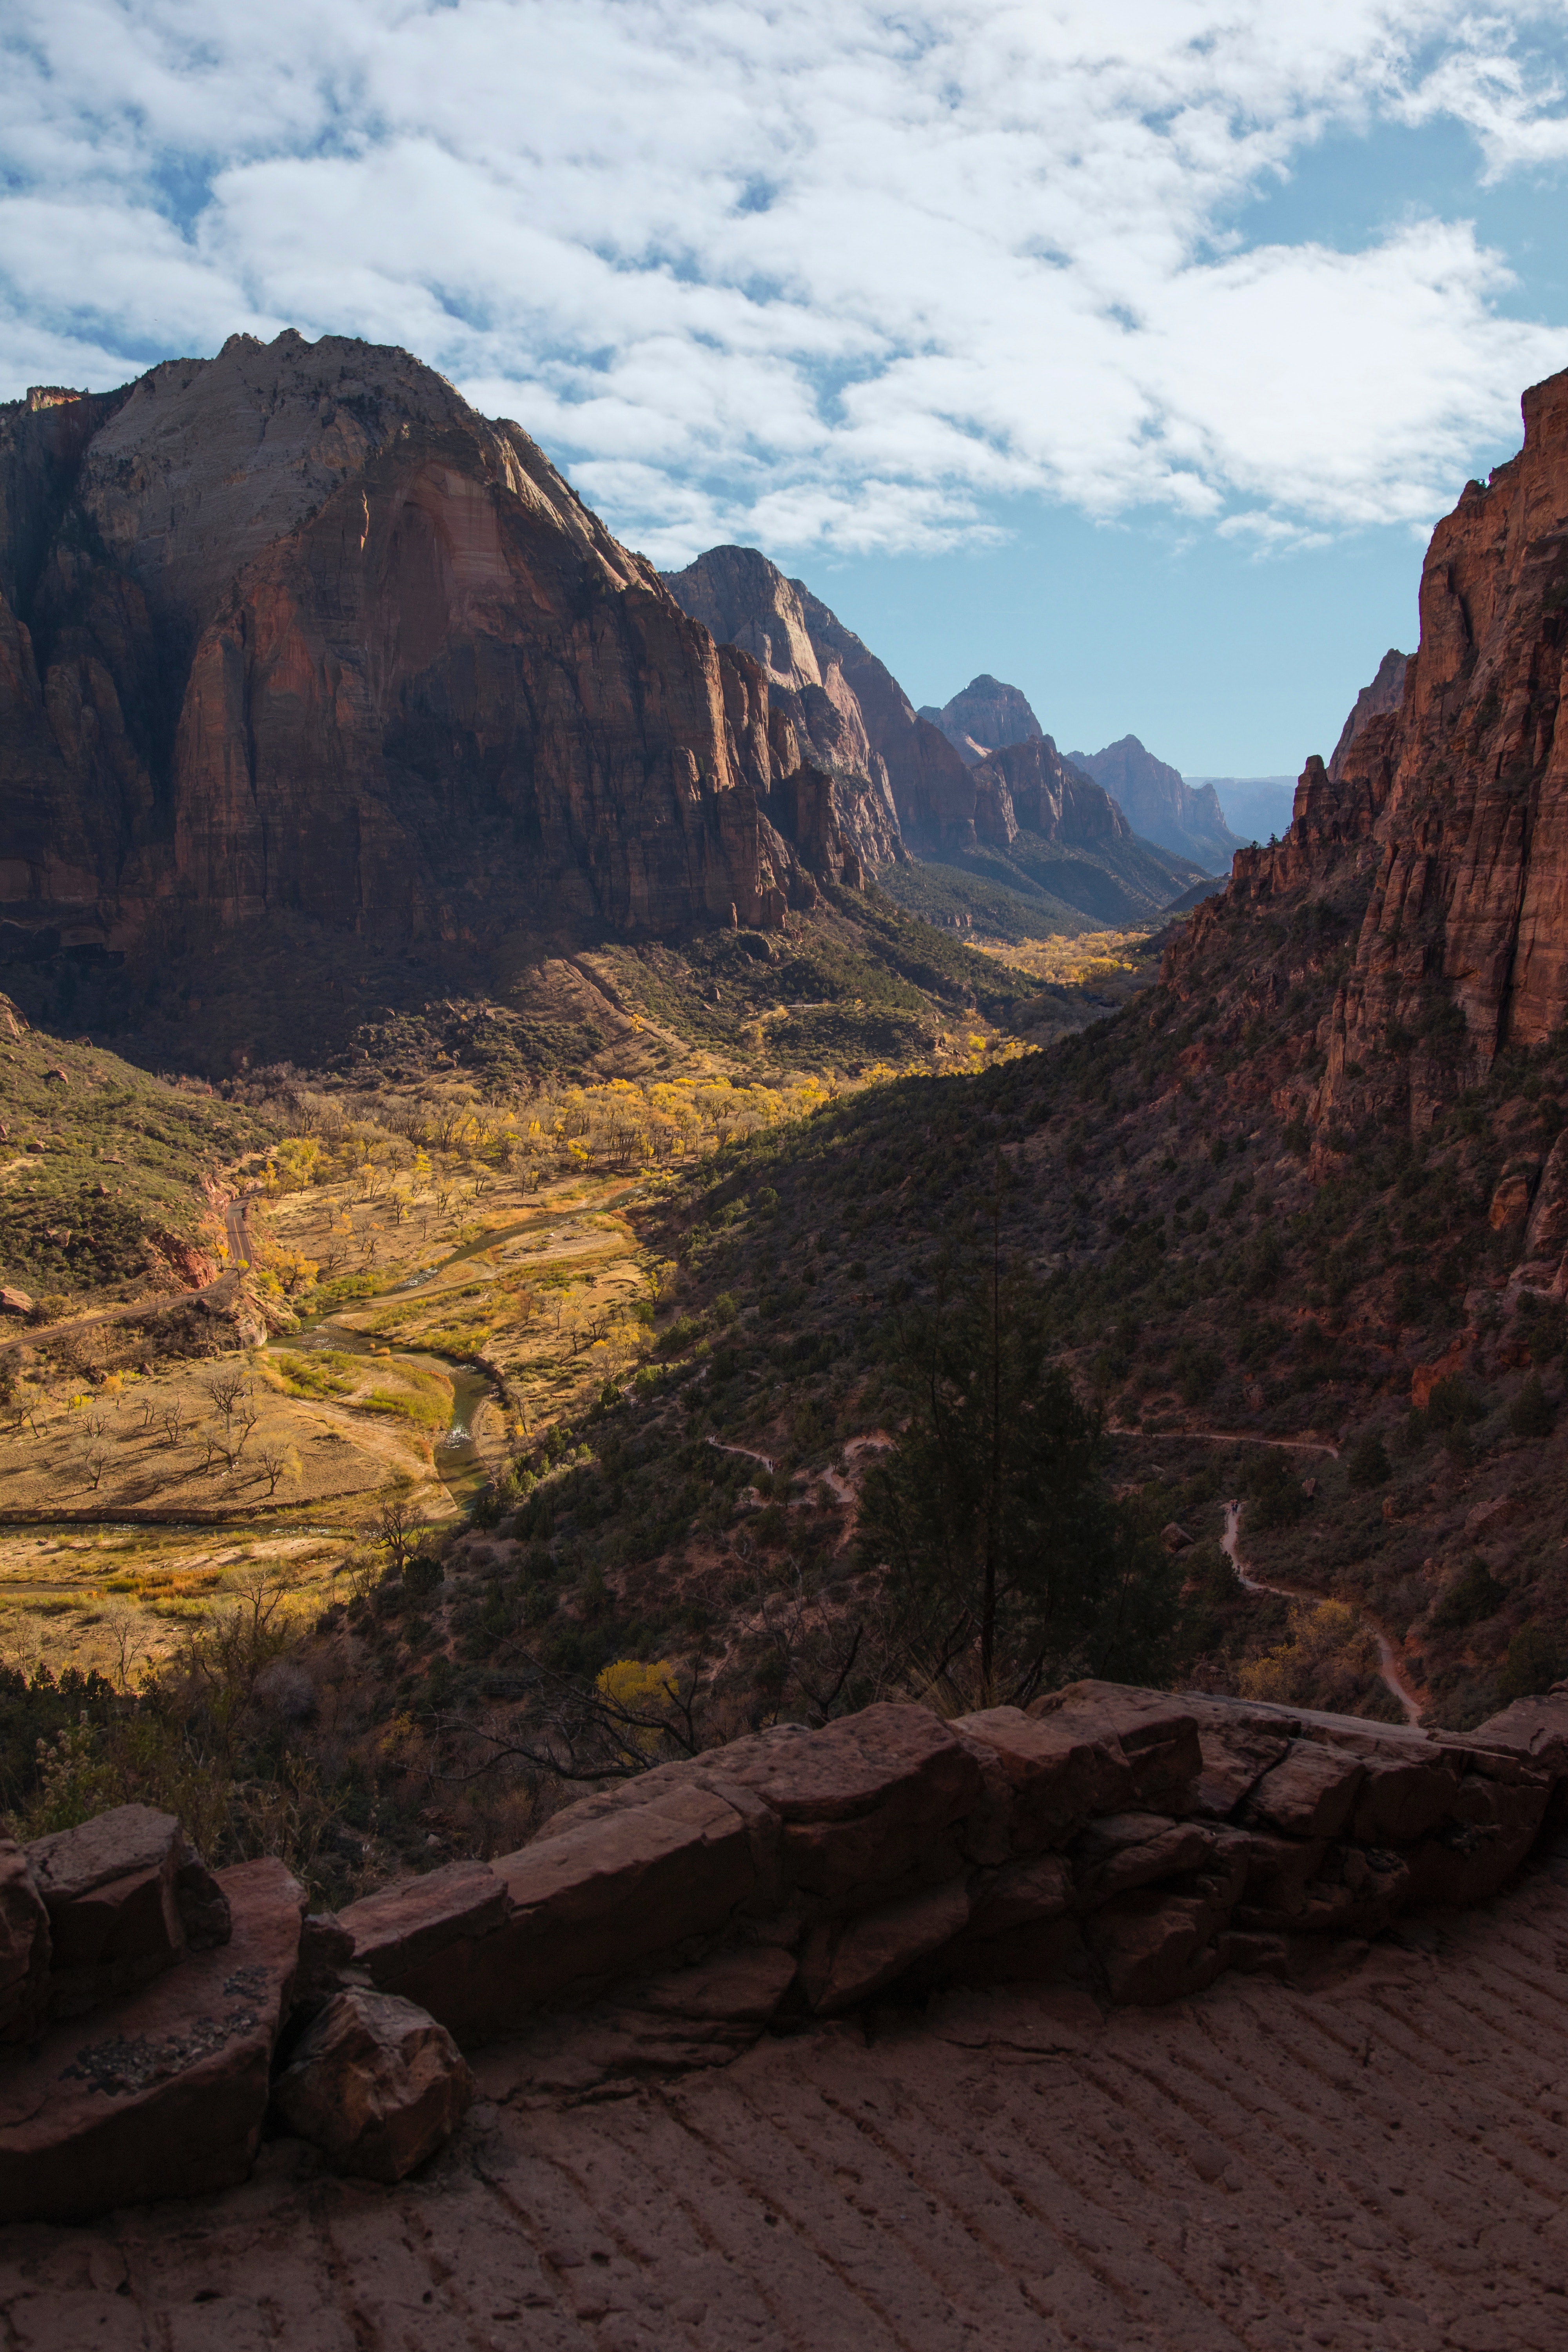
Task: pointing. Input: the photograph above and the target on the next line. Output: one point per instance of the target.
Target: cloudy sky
(1125, 348)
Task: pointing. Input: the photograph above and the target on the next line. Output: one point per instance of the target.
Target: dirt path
(1229, 1437)
(1390, 1671)
(1376, 2164)
(767, 1462)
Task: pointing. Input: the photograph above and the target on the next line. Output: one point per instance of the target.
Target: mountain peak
(986, 717)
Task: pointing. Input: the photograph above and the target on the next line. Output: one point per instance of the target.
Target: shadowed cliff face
(293, 632)
(898, 775)
(1453, 808)
(1029, 783)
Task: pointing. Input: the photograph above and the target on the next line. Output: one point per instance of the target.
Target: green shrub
(1452, 1402)
(1369, 1465)
(1474, 1595)
(422, 1572)
(1534, 1661)
(1529, 1414)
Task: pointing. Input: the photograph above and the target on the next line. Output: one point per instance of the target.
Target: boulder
(1152, 1948)
(24, 1945)
(419, 1936)
(1234, 1761)
(845, 1962)
(1279, 1872)
(376, 2083)
(1128, 1850)
(864, 1801)
(163, 2091)
(1402, 1801)
(15, 1302)
(326, 1962)
(1024, 1893)
(596, 1902)
(1309, 1793)
(1101, 1749)
(1533, 1728)
(1156, 1733)
(125, 1894)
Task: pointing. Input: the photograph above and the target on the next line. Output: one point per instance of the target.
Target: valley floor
(1377, 2158)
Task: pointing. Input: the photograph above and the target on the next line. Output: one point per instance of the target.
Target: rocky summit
(294, 636)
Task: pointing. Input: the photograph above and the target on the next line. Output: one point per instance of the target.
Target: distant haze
(1254, 806)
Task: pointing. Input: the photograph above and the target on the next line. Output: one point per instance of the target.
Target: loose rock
(376, 2083)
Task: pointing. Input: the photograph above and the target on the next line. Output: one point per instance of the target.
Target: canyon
(657, 2063)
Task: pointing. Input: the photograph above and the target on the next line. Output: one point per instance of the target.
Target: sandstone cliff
(1160, 805)
(294, 635)
(985, 718)
(744, 600)
(1387, 692)
(1452, 809)
(898, 775)
(1028, 784)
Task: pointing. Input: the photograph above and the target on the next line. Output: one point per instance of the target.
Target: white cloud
(814, 275)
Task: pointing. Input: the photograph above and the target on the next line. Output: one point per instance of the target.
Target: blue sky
(1127, 349)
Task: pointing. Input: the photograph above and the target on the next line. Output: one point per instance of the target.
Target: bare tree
(246, 1417)
(226, 1386)
(399, 1527)
(97, 1462)
(277, 1462)
(175, 1422)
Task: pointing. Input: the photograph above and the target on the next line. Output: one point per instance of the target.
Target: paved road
(1379, 2163)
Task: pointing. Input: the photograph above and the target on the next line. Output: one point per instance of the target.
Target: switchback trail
(1390, 1673)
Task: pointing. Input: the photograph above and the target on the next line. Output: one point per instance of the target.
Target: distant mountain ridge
(1017, 813)
(1162, 806)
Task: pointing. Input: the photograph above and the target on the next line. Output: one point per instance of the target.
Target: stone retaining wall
(1130, 1844)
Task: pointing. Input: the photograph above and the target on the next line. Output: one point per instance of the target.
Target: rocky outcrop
(1159, 805)
(1029, 785)
(984, 717)
(1385, 693)
(744, 600)
(126, 1896)
(162, 2092)
(1448, 810)
(293, 635)
(898, 777)
(1125, 1846)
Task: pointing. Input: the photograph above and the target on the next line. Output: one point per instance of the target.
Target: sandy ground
(1380, 2161)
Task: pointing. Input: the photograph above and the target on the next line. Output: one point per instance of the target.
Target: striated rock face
(1451, 808)
(986, 717)
(1028, 784)
(1159, 804)
(1387, 692)
(896, 774)
(745, 601)
(294, 632)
